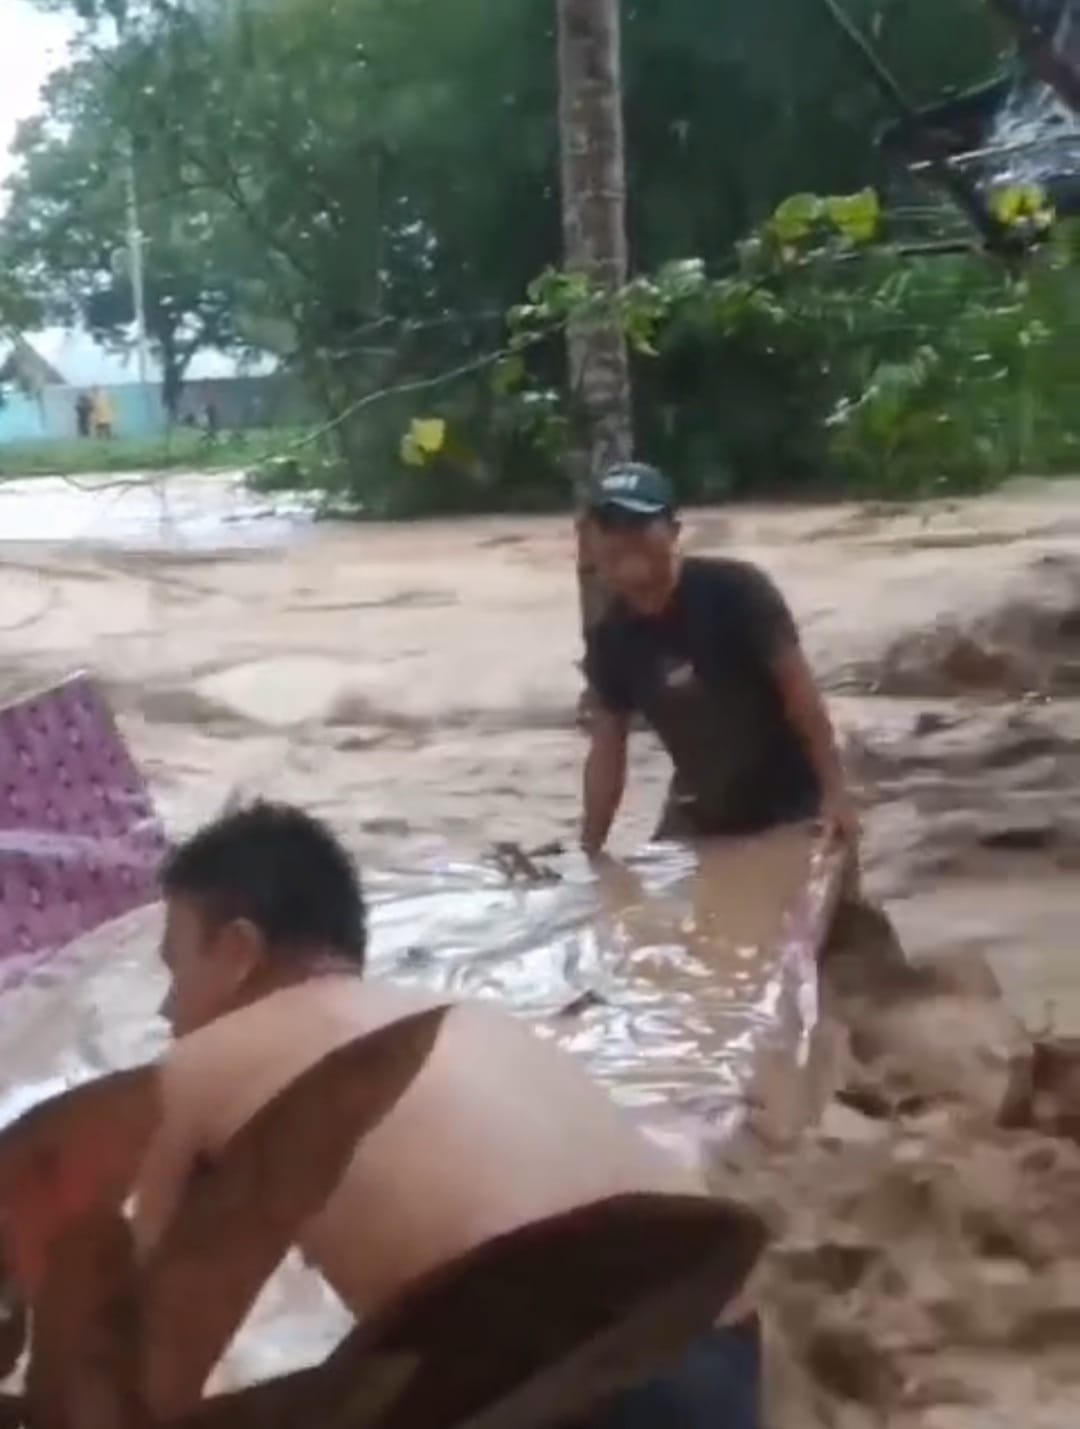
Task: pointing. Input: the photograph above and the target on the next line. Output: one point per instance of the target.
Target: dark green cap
(633, 487)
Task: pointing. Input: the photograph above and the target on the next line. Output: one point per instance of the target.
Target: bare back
(500, 1128)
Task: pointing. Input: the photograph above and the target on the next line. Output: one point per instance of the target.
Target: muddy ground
(417, 685)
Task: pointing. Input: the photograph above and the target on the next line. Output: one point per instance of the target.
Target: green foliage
(182, 449)
(64, 236)
(803, 218)
(18, 309)
(824, 358)
(370, 189)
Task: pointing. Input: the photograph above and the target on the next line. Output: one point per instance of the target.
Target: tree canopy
(65, 235)
(368, 188)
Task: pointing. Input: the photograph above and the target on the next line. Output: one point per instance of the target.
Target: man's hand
(809, 717)
(599, 859)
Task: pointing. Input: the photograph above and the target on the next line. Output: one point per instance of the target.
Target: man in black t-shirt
(706, 651)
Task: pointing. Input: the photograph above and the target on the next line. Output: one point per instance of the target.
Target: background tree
(593, 170)
(594, 220)
(64, 237)
(18, 311)
(382, 164)
(375, 186)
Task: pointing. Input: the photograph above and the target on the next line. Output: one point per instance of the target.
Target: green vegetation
(371, 190)
(825, 358)
(183, 450)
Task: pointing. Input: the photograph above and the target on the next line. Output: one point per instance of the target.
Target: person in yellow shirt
(102, 414)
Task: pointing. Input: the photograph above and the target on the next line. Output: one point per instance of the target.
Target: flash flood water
(416, 685)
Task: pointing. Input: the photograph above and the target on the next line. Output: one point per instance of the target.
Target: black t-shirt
(701, 675)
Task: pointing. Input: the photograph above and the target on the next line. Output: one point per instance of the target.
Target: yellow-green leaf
(1016, 202)
(412, 454)
(796, 216)
(856, 216)
(429, 433)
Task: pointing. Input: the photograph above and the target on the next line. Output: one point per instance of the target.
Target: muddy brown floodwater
(417, 686)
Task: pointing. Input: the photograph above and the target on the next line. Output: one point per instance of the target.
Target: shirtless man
(499, 1129)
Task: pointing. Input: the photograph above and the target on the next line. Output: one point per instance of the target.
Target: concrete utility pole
(135, 244)
(137, 270)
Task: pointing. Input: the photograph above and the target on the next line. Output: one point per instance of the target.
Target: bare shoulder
(493, 1035)
(208, 1075)
(194, 1063)
(218, 1076)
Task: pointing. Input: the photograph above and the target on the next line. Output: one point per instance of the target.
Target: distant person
(103, 418)
(264, 912)
(211, 420)
(84, 413)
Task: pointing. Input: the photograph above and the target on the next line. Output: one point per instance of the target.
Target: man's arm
(170, 1387)
(809, 717)
(605, 763)
(167, 1168)
(605, 778)
(775, 639)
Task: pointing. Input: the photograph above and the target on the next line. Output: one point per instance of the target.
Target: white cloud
(32, 44)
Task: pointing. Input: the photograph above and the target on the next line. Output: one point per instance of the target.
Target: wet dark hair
(282, 870)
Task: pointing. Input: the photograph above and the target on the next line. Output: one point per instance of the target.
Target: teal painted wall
(22, 419)
(137, 412)
(242, 403)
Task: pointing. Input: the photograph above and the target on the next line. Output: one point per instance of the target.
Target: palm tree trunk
(594, 239)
